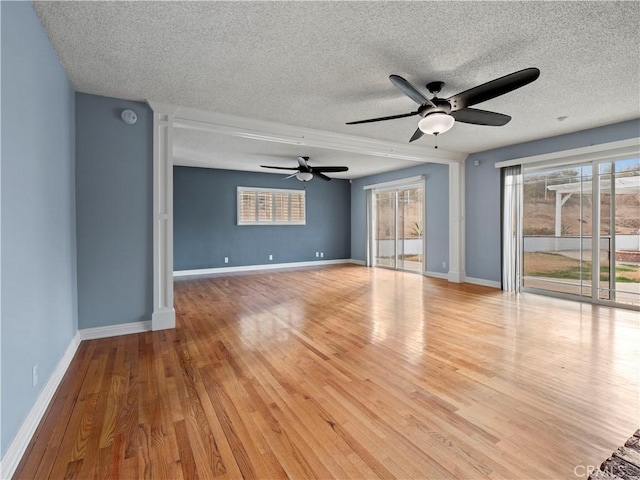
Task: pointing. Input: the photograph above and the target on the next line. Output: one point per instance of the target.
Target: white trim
(483, 282)
(393, 184)
(456, 222)
(255, 268)
(601, 151)
(115, 330)
(424, 223)
(596, 239)
(358, 262)
(196, 119)
(443, 276)
(369, 212)
(20, 442)
(163, 312)
(269, 189)
(456, 276)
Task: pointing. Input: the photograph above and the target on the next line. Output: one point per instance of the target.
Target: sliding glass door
(581, 231)
(398, 236)
(619, 185)
(556, 226)
(385, 229)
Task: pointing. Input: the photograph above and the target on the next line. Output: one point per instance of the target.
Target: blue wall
(114, 191)
(205, 230)
(482, 225)
(482, 192)
(39, 310)
(437, 212)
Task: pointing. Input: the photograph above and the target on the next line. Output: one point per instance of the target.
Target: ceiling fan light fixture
(436, 123)
(304, 176)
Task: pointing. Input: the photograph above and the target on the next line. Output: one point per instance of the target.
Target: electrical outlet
(226, 259)
(317, 254)
(321, 254)
(34, 375)
(444, 264)
(270, 257)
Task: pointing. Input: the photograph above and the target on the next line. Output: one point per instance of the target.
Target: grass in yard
(555, 265)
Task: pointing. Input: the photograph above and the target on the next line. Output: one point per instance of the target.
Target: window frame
(270, 191)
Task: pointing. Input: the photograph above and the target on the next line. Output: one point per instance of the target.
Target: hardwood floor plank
(187, 461)
(54, 421)
(206, 452)
(347, 372)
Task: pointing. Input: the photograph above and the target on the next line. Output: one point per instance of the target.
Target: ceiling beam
(262, 130)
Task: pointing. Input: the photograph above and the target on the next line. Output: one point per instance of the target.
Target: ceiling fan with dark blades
(306, 172)
(439, 114)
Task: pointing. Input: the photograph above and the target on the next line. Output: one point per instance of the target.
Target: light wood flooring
(348, 372)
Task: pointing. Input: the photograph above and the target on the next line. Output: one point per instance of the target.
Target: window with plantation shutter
(270, 206)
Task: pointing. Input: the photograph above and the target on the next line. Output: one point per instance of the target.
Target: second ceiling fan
(439, 114)
(305, 172)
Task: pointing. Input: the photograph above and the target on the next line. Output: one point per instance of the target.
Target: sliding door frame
(595, 158)
(395, 186)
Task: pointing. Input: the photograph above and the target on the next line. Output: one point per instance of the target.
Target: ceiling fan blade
(321, 175)
(302, 161)
(480, 117)
(409, 90)
(391, 117)
(279, 168)
(329, 169)
(494, 88)
(416, 135)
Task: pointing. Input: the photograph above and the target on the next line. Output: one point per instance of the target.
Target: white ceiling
(321, 64)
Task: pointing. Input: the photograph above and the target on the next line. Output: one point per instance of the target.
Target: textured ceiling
(321, 64)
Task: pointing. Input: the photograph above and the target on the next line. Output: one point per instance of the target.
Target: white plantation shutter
(281, 207)
(265, 207)
(270, 206)
(247, 204)
(297, 207)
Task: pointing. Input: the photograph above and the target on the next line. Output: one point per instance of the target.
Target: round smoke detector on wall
(129, 117)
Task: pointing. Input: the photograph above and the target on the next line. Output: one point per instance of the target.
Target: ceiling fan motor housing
(441, 105)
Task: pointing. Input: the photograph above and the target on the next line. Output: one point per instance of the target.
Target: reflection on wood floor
(347, 372)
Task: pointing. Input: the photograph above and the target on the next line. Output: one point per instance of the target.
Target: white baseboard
(114, 330)
(255, 268)
(357, 262)
(163, 319)
(20, 442)
(441, 275)
(456, 276)
(483, 282)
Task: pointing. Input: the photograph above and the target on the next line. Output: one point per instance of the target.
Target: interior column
(164, 315)
(456, 222)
